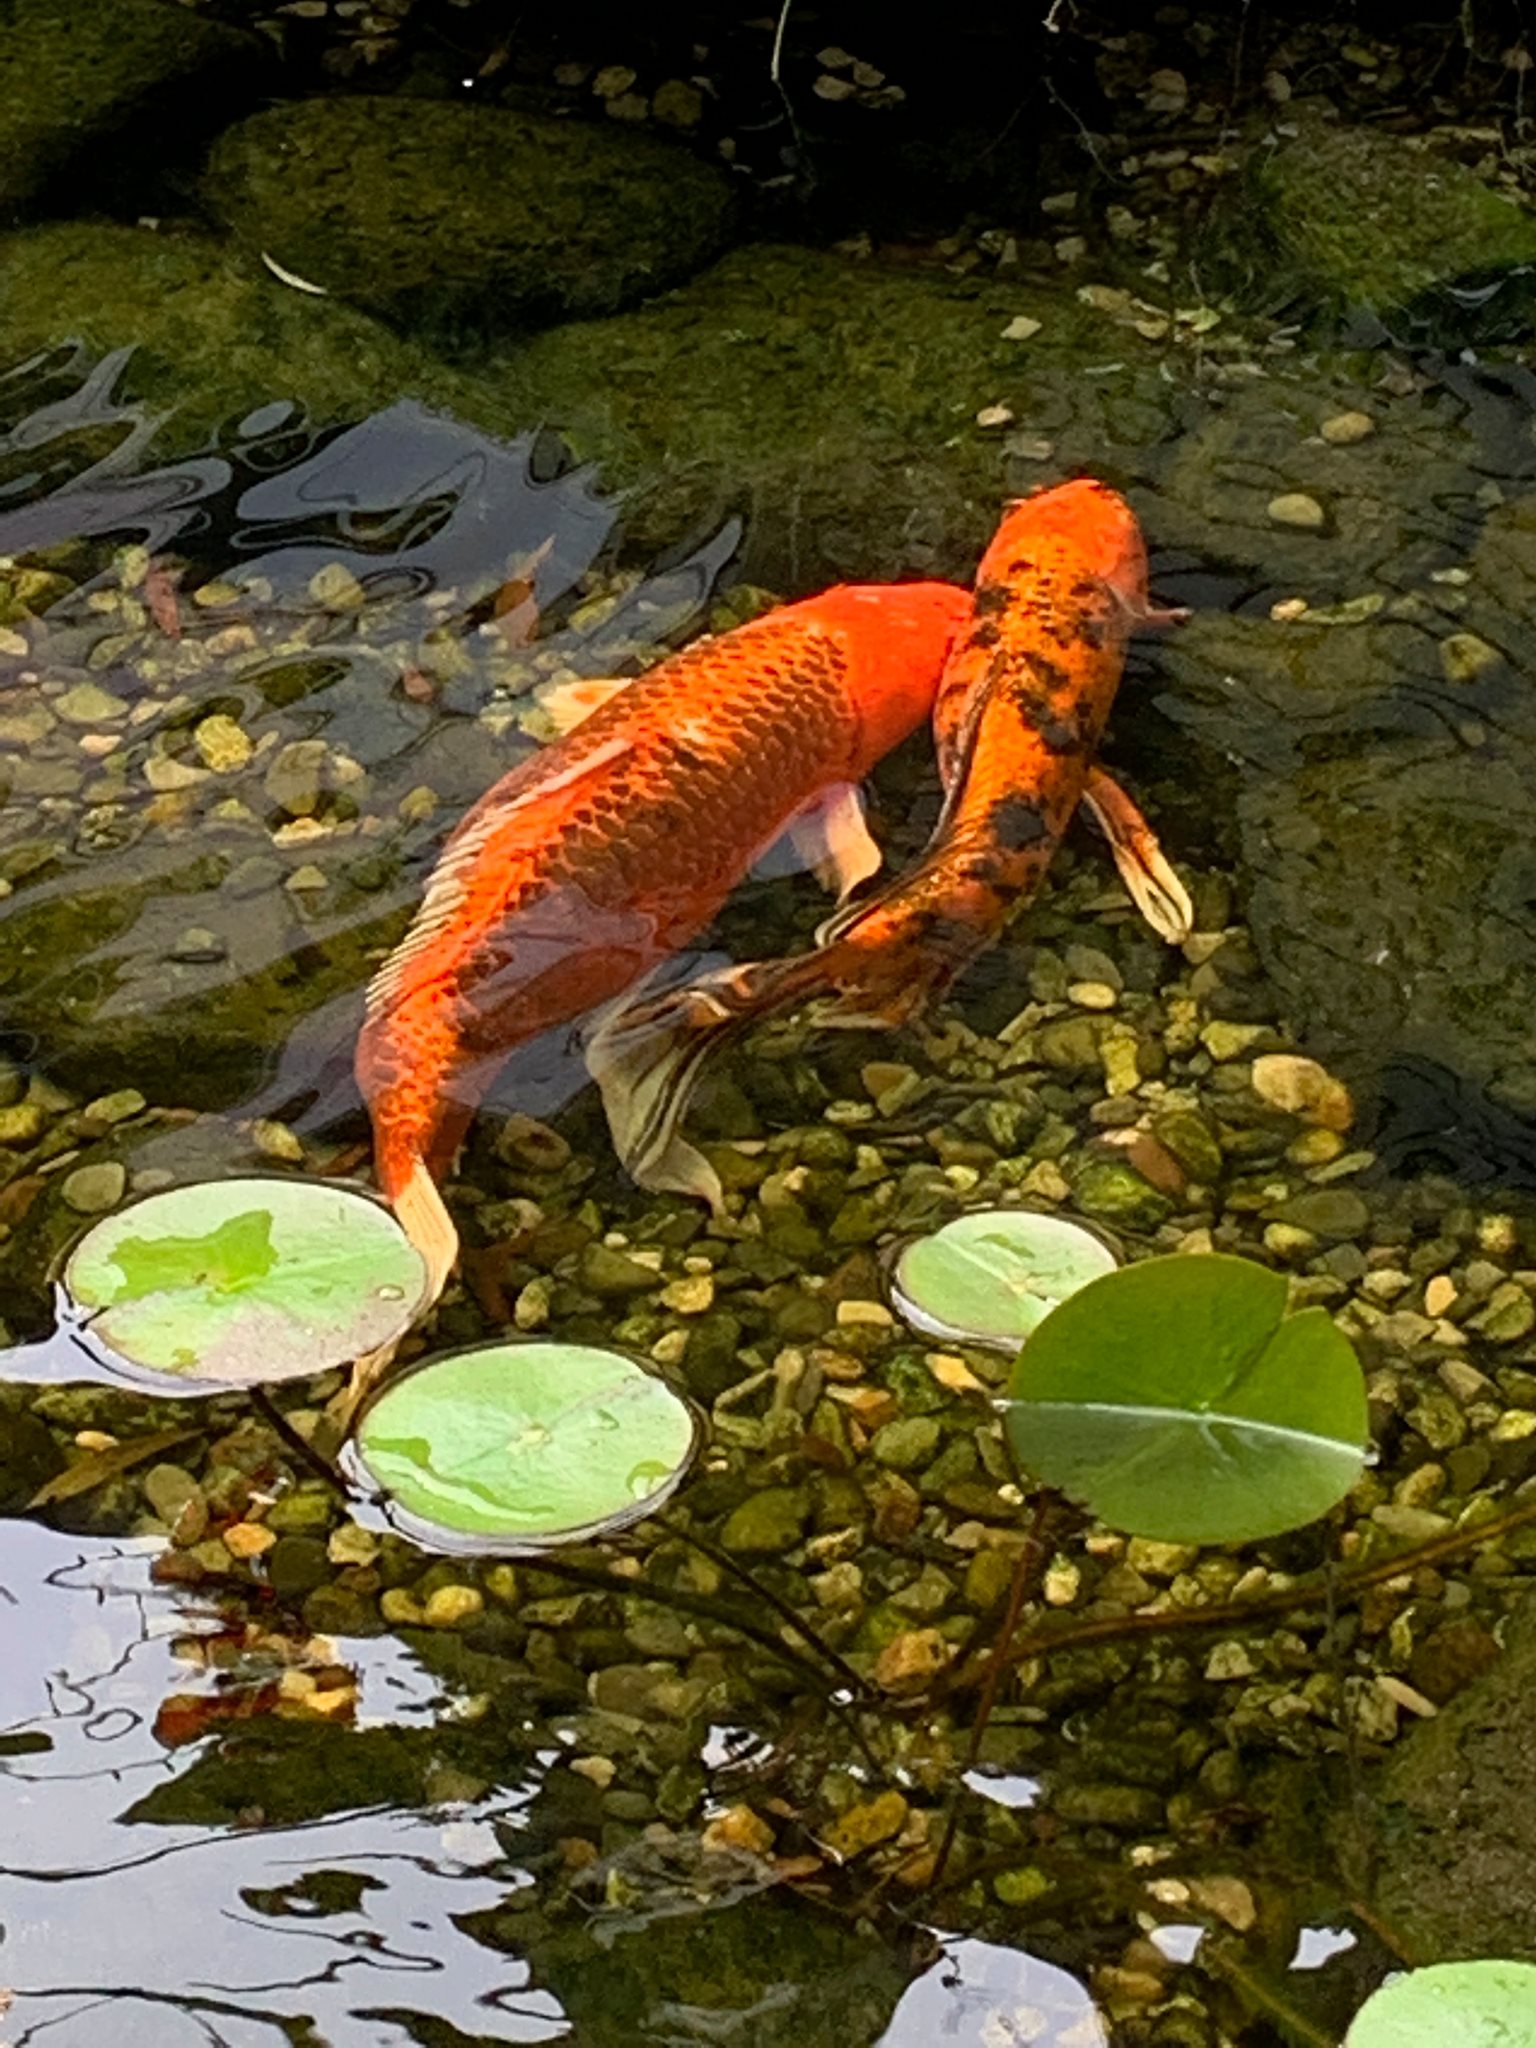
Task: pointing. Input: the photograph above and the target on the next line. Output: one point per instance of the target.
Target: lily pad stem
(1050, 1507)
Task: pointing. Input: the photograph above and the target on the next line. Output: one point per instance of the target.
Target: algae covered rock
(211, 336)
(1359, 220)
(1384, 811)
(1457, 1814)
(836, 402)
(454, 217)
(74, 78)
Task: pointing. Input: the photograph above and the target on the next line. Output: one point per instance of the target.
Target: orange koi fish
(1019, 713)
(590, 864)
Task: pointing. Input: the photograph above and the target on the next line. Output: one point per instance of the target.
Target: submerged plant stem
(1049, 1506)
(1236, 1613)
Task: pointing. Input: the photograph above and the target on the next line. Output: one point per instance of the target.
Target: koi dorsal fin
(530, 803)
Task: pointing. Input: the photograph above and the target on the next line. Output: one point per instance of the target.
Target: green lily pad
(990, 1278)
(243, 1282)
(1475, 2005)
(1176, 1399)
(523, 1445)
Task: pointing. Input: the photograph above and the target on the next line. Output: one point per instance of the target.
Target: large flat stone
(459, 218)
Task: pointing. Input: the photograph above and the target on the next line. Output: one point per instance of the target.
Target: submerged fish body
(1018, 715)
(587, 866)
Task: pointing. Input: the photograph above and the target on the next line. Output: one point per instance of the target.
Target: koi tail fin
(647, 1057)
(423, 1216)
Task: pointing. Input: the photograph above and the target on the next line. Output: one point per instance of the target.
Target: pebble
(221, 745)
(1225, 1040)
(1509, 1315)
(274, 1140)
(906, 1444)
(1295, 508)
(1465, 656)
(1021, 328)
(910, 1662)
(1414, 1525)
(740, 1829)
(993, 416)
(117, 1107)
(1345, 428)
(678, 104)
(690, 1296)
(22, 1123)
(452, 1606)
(1439, 1295)
(93, 1190)
(864, 1825)
(307, 880)
(874, 1314)
(197, 945)
(337, 589)
(89, 704)
(1229, 1660)
(767, 1522)
(164, 773)
(1329, 1212)
(1303, 1087)
(248, 1539)
(1092, 995)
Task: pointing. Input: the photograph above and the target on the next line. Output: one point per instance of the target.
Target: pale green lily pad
(1176, 1399)
(990, 1278)
(1473, 2005)
(244, 1282)
(524, 1445)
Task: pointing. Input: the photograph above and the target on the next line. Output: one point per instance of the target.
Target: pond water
(323, 468)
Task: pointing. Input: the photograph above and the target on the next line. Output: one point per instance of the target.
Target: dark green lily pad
(243, 1282)
(1176, 1399)
(992, 1277)
(523, 1445)
(1486, 2004)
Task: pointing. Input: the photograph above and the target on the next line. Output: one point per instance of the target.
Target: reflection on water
(124, 1920)
(117, 1930)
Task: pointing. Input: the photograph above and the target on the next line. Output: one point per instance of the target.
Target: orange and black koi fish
(1019, 713)
(589, 865)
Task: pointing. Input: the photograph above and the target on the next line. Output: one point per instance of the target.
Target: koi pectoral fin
(646, 1055)
(830, 838)
(571, 703)
(1154, 888)
(834, 841)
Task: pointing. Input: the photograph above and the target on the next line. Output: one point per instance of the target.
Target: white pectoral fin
(567, 704)
(834, 841)
(1144, 868)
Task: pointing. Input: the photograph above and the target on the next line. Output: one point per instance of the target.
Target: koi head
(1082, 525)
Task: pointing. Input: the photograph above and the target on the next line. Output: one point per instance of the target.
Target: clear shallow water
(353, 1928)
(423, 1859)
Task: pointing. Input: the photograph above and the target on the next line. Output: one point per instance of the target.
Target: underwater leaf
(100, 1466)
(243, 1282)
(524, 1444)
(1177, 1400)
(1488, 2004)
(993, 1276)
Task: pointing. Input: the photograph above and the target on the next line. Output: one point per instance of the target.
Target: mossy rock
(75, 78)
(835, 402)
(455, 218)
(1456, 1807)
(213, 336)
(1351, 220)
